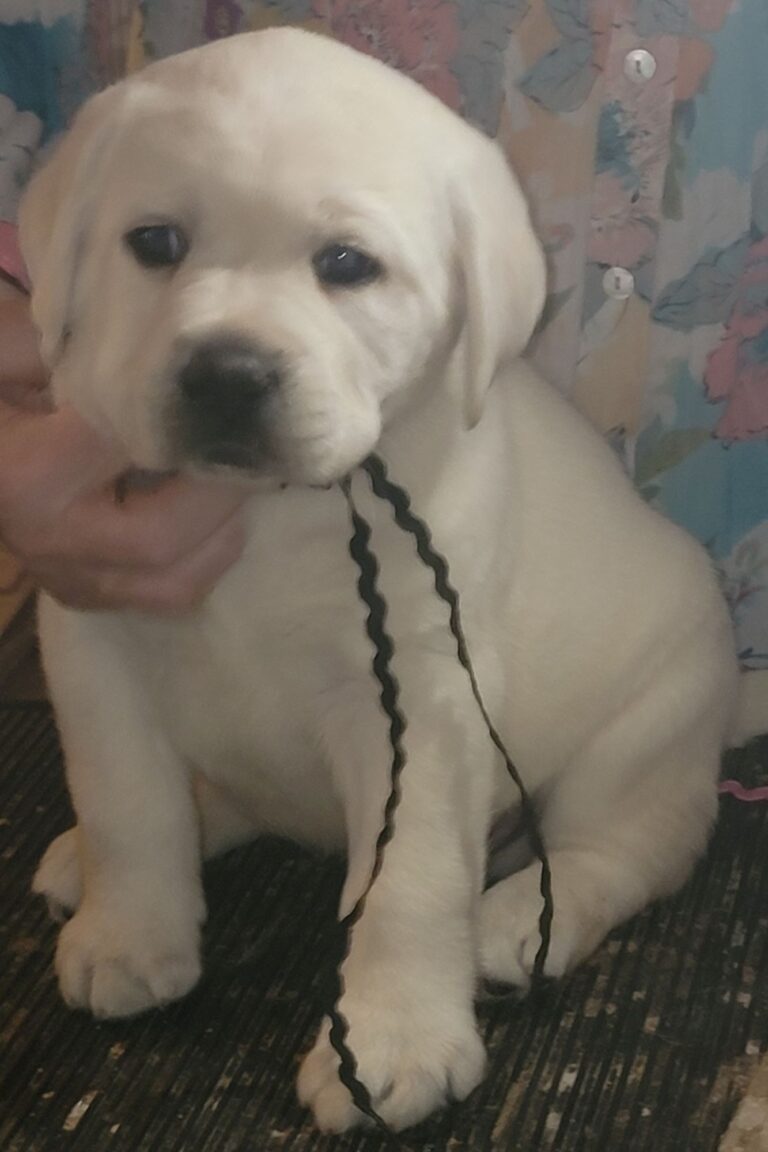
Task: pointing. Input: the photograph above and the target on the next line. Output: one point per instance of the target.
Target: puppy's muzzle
(225, 397)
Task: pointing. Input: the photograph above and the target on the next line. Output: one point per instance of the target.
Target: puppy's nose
(229, 377)
(224, 388)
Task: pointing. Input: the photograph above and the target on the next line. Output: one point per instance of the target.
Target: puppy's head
(250, 256)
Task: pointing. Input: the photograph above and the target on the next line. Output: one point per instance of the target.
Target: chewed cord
(367, 584)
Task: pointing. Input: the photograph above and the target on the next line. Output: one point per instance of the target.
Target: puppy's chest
(241, 712)
(246, 674)
(250, 688)
(242, 688)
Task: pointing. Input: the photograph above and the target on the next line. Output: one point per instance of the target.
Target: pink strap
(749, 795)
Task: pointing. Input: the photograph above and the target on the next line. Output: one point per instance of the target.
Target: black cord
(367, 584)
(375, 626)
(406, 519)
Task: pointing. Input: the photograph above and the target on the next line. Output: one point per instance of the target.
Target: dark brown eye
(157, 245)
(341, 266)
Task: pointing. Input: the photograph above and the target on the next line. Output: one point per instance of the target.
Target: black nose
(228, 376)
(225, 389)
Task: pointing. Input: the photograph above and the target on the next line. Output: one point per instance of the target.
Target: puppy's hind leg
(622, 828)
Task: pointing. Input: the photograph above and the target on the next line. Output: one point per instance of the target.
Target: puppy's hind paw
(509, 920)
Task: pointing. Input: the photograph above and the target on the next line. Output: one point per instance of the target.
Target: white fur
(599, 637)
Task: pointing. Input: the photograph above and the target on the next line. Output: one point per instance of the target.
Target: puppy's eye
(157, 245)
(341, 266)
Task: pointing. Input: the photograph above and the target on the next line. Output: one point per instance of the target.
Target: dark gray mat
(646, 1048)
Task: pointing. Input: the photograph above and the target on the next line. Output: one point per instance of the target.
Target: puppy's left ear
(502, 269)
(53, 219)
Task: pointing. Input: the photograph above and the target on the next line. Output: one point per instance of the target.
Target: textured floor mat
(647, 1048)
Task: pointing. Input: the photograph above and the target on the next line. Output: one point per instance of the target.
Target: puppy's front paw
(58, 877)
(116, 963)
(411, 1059)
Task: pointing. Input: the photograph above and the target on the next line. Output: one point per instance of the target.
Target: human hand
(23, 378)
(158, 551)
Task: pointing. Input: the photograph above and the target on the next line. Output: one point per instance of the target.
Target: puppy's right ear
(502, 269)
(52, 222)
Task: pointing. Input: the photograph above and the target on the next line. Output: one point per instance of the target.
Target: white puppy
(266, 258)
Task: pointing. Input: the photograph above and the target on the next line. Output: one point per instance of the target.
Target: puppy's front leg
(409, 979)
(135, 940)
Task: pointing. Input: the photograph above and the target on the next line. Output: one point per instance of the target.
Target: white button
(639, 65)
(618, 283)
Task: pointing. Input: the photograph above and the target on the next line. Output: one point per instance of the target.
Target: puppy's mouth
(261, 461)
(204, 454)
(263, 473)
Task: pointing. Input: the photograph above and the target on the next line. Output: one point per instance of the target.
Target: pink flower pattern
(420, 37)
(709, 15)
(737, 369)
(623, 229)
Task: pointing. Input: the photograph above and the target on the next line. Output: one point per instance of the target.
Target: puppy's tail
(752, 712)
